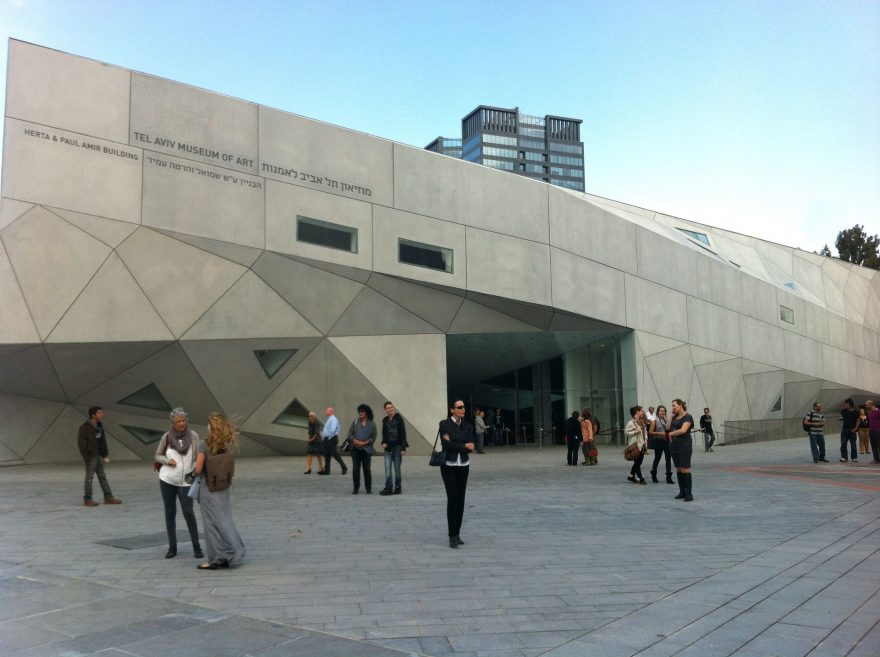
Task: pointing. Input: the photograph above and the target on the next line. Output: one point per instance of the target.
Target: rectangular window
(786, 314)
(424, 255)
(322, 233)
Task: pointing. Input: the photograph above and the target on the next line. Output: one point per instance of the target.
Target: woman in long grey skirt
(222, 540)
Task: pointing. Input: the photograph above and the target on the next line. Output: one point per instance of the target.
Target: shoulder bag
(219, 469)
(631, 452)
(437, 458)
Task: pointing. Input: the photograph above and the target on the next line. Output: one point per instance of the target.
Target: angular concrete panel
(759, 300)
(856, 293)
(719, 283)
(17, 325)
(177, 119)
(40, 238)
(537, 315)
(203, 200)
(761, 342)
(651, 344)
(802, 355)
(125, 312)
(373, 314)
(58, 445)
(762, 390)
(508, 267)
(676, 269)
(250, 309)
(808, 277)
(473, 317)
(325, 157)
(703, 356)
(816, 322)
(25, 419)
(109, 231)
(712, 326)
(429, 183)
(108, 175)
(655, 308)
(436, 307)
(586, 287)
(319, 296)
(29, 372)
(672, 372)
(10, 210)
(408, 387)
(721, 383)
(838, 333)
(61, 90)
(795, 303)
(243, 255)
(181, 281)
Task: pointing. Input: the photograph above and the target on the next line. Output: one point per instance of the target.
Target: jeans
(817, 445)
(636, 469)
(96, 466)
(708, 438)
(170, 496)
(455, 480)
(661, 448)
(361, 460)
(392, 462)
(573, 446)
(848, 437)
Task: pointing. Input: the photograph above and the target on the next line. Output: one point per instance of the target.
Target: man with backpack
(814, 425)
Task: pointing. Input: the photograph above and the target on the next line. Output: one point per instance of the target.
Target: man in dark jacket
(93, 448)
(394, 442)
(573, 437)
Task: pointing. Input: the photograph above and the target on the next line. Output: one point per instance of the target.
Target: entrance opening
(529, 383)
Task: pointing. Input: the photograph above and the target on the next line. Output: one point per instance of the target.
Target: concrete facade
(149, 242)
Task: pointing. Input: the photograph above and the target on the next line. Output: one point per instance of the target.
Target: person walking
(573, 437)
(848, 431)
(864, 439)
(362, 435)
(659, 431)
(708, 431)
(92, 444)
(314, 448)
(815, 421)
(635, 434)
(479, 429)
(682, 448)
(394, 443)
(457, 441)
(176, 456)
(329, 441)
(222, 541)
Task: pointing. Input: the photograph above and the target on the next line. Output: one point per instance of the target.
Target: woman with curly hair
(222, 540)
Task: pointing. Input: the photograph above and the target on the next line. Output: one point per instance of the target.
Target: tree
(825, 251)
(856, 246)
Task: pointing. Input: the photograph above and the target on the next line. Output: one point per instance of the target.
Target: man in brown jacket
(93, 449)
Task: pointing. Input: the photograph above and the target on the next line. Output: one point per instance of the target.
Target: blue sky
(761, 117)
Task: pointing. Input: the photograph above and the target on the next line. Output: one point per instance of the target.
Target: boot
(687, 488)
(654, 477)
(680, 478)
(669, 478)
(594, 460)
(397, 490)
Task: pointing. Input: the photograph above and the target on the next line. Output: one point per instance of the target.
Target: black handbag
(345, 446)
(437, 458)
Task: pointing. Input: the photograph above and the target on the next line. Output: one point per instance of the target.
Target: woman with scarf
(176, 455)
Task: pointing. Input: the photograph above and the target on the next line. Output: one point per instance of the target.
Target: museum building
(167, 246)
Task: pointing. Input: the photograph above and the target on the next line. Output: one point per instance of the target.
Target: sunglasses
(458, 408)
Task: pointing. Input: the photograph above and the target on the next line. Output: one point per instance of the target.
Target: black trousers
(455, 479)
(330, 451)
(874, 437)
(636, 468)
(360, 459)
(170, 496)
(573, 448)
(661, 448)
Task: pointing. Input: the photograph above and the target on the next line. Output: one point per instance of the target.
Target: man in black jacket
(93, 449)
(394, 442)
(573, 437)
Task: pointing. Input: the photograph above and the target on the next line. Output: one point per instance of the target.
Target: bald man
(330, 438)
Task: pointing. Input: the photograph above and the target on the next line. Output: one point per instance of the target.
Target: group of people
(669, 438)
(579, 433)
(182, 461)
(323, 445)
(862, 424)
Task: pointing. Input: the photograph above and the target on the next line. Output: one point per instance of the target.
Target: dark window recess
(425, 255)
(295, 415)
(146, 436)
(315, 231)
(147, 397)
(778, 405)
(272, 360)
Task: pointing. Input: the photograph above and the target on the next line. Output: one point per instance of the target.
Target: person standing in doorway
(330, 438)
(682, 448)
(573, 437)
(708, 431)
(92, 444)
(588, 435)
(498, 427)
(815, 420)
(457, 438)
(849, 430)
(479, 429)
(394, 443)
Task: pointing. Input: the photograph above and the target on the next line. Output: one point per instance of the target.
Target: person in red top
(874, 429)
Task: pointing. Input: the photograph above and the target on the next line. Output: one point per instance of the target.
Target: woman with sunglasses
(457, 441)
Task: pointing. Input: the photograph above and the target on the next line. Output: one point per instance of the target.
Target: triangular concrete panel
(25, 419)
(696, 400)
(423, 378)
(856, 292)
(352, 273)
(8, 457)
(436, 307)
(567, 322)
(10, 210)
(703, 356)
(762, 391)
(474, 318)
(538, 316)
(654, 344)
(251, 309)
(29, 372)
(721, 383)
(247, 446)
(181, 281)
(112, 308)
(672, 372)
(84, 366)
(373, 314)
(17, 324)
(110, 231)
(320, 296)
(238, 253)
(279, 444)
(739, 409)
(799, 397)
(754, 367)
(233, 373)
(39, 238)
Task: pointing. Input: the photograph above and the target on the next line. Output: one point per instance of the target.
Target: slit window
(425, 255)
(786, 314)
(145, 436)
(323, 233)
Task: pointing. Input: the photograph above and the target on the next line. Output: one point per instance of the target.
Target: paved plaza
(776, 556)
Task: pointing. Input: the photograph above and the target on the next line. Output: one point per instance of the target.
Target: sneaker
(89, 503)
(855, 460)
(843, 460)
